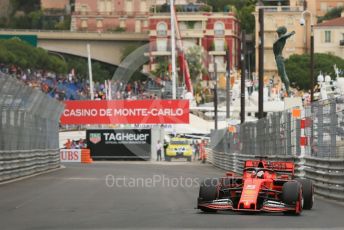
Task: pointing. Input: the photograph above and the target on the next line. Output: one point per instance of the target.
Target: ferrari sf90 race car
(263, 187)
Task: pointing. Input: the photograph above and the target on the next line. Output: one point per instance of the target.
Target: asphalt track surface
(80, 197)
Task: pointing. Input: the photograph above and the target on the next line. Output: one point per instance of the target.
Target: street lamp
(302, 23)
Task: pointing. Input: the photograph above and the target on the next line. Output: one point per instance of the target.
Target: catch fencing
(313, 138)
(29, 129)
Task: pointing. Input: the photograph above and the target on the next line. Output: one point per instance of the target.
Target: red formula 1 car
(264, 187)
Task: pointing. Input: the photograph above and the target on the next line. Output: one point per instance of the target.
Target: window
(290, 21)
(137, 26)
(109, 5)
(122, 23)
(145, 23)
(144, 6)
(219, 29)
(219, 45)
(327, 36)
(161, 45)
(101, 5)
(129, 6)
(162, 29)
(83, 9)
(99, 23)
(84, 23)
(105, 5)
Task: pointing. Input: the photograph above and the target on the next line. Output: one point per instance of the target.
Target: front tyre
(307, 193)
(292, 195)
(208, 192)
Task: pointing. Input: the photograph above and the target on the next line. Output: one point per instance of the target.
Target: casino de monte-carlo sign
(126, 112)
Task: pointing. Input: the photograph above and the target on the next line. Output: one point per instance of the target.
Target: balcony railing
(281, 8)
(111, 13)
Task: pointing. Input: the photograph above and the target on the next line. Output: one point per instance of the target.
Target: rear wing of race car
(281, 167)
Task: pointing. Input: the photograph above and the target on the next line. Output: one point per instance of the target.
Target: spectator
(158, 151)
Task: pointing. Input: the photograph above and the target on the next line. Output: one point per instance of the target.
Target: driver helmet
(260, 174)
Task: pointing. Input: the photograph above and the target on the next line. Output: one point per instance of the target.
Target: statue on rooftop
(278, 49)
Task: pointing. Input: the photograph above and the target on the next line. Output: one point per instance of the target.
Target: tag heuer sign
(95, 138)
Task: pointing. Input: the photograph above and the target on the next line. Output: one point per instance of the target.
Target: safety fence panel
(29, 129)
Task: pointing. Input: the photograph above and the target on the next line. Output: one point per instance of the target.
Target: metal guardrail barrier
(327, 175)
(29, 130)
(16, 164)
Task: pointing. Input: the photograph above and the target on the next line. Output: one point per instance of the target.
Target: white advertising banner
(70, 155)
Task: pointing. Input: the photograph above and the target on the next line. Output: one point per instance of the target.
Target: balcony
(281, 8)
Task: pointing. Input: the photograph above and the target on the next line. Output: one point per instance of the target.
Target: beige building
(274, 17)
(321, 7)
(329, 37)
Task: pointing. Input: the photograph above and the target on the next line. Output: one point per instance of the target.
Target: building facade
(116, 15)
(329, 37)
(213, 32)
(110, 15)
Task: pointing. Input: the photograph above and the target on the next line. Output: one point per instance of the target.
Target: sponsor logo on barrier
(126, 137)
(70, 155)
(95, 138)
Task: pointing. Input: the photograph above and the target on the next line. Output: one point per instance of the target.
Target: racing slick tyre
(307, 193)
(208, 192)
(292, 195)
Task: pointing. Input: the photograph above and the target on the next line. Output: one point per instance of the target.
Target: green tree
(25, 5)
(225, 5)
(194, 57)
(245, 17)
(297, 67)
(331, 14)
(162, 67)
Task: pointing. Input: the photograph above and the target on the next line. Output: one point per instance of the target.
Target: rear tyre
(208, 192)
(189, 159)
(167, 158)
(307, 193)
(292, 195)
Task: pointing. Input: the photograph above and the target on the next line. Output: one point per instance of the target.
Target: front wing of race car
(227, 205)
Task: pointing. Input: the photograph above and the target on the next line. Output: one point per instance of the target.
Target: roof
(333, 22)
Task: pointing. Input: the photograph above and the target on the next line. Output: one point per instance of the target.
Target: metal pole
(90, 71)
(173, 51)
(228, 85)
(243, 74)
(215, 96)
(261, 65)
(312, 64)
